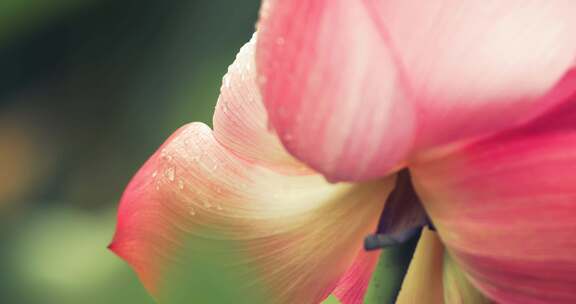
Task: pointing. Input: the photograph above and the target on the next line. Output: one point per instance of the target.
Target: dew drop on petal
(170, 174)
(165, 155)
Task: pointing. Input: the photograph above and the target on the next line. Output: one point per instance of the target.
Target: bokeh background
(88, 90)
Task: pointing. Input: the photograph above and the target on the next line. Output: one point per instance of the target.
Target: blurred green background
(88, 90)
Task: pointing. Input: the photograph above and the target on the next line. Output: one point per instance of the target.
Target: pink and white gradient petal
(505, 208)
(478, 66)
(354, 88)
(331, 88)
(296, 233)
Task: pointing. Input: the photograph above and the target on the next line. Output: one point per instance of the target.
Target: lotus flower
(318, 121)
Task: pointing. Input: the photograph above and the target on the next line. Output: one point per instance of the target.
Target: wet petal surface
(234, 195)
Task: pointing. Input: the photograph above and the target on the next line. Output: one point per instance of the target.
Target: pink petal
(294, 234)
(331, 88)
(354, 87)
(354, 283)
(240, 122)
(478, 66)
(506, 208)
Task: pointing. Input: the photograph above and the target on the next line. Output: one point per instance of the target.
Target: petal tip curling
(291, 235)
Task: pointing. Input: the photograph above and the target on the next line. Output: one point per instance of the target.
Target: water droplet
(170, 174)
(164, 154)
(180, 184)
(192, 211)
(154, 174)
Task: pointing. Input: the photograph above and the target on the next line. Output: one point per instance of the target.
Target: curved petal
(352, 87)
(506, 209)
(353, 285)
(240, 119)
(331, 89)
(478, 66)
(280, 232)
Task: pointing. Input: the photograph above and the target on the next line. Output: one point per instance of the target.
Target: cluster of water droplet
(169, 175)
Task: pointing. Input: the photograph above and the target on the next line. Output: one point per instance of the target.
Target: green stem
(390, 272)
